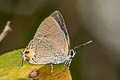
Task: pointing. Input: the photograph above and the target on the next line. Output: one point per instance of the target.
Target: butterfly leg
(69, 63)
(51, 68)
(65, 63)
(20, 64)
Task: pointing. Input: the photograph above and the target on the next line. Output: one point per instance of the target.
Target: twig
(5, 31)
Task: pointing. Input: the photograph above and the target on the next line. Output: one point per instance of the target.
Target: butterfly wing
(58, 17)
(50, 40)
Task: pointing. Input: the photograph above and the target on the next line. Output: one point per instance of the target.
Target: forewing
(59, 18)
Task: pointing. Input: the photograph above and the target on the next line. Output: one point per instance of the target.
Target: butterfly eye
(72, 53)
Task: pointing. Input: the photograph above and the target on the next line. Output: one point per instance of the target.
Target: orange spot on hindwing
(29, 53)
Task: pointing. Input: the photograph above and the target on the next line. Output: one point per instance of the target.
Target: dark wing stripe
(58, 17)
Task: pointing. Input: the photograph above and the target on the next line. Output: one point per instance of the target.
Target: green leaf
(10, 69)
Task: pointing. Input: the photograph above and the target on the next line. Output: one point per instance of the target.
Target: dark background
(97, 20)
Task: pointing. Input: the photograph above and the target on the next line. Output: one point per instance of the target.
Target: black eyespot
(26, 52)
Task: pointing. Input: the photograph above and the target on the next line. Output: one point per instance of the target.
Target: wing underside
(50, 40)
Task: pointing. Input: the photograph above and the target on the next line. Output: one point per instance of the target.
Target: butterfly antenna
(84, 44)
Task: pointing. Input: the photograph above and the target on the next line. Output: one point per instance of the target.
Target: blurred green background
(96, 20)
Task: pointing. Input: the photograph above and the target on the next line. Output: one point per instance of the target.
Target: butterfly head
(71, 53)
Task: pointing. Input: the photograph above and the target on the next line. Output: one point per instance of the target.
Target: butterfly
(50, 44)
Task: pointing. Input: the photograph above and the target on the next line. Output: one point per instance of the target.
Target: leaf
(9, 63)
